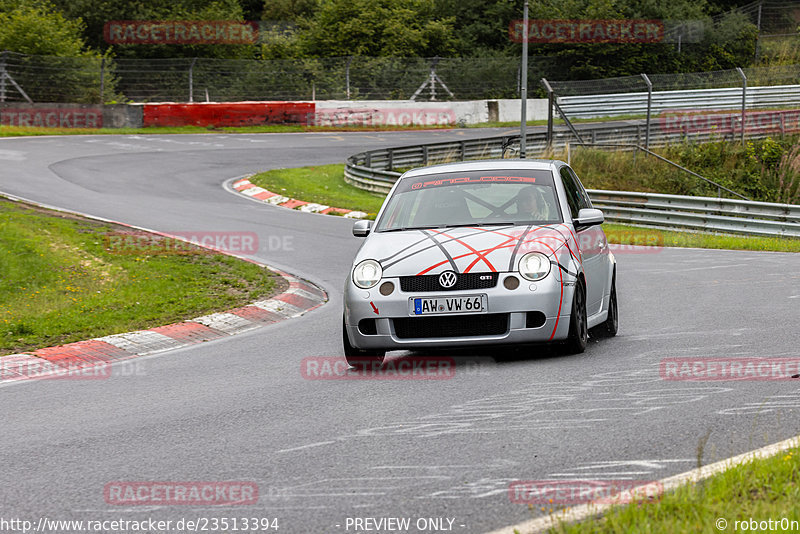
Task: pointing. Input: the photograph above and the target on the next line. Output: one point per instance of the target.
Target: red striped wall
(228, 114)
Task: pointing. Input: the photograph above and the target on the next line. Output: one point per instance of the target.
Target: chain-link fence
(755, 76)
(55, 79)
(754, 88)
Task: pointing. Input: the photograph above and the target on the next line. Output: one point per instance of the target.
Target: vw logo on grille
(447, 279)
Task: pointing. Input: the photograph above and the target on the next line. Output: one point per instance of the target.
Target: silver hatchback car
(480, 253)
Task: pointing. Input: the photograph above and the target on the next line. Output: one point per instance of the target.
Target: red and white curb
(54, 362)
(301, 297)
(247, 188)
(592, 509)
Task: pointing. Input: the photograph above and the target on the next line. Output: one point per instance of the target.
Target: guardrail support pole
(191, 80)
(744, 100)
(347, 75)
(425, 155)
(550, 103)
(102, 79)
(758, 30)
(3, 57)
(649, 108)
(523, 123)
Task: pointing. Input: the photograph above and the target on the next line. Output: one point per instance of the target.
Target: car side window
(574, 198)
(586, 201)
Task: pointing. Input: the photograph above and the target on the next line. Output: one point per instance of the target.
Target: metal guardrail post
(758, 31)
(523, 123)
(191, 80)
(389, 159)
(3, 58)
(550, 102)
(4, 75)
(744, 99)
(424, 155)
(649, 108)
(463, 150)
(569, 123)
(102, 80)
(347, 75)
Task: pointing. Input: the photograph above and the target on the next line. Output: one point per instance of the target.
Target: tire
(578, 324)
(610, 326)
(358, 357)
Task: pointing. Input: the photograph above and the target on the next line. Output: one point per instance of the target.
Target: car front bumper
(548, 296)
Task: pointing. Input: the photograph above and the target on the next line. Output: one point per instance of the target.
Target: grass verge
(62, 280)
(759, 490)
(325, 184)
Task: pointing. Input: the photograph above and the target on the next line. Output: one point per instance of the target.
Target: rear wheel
(578, 325)
(358, 357)
(611, 324)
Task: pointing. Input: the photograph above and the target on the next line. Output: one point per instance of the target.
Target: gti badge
(447, 279)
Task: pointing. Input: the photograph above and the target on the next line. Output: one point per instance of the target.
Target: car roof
(485, 165)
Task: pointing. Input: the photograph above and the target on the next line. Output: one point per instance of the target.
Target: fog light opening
(511, 282)
(386, 288)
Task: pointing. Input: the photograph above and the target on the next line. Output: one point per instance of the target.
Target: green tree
(378, 28)
(96, 13)
(36, 27)
(480, 27)
(50, 59)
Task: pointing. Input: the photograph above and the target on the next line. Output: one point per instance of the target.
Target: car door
(592, 242)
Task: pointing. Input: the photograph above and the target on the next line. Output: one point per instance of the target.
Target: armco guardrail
(699, 213)
(373, 171)
(613, 105)
(373, 168)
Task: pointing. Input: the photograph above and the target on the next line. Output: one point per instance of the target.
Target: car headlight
(534, 266)
(367, 274)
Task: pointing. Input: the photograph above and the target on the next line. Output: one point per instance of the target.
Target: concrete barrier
(52, 115)
(334, 113)
(226, 113)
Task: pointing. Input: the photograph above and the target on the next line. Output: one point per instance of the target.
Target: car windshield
(472, 198)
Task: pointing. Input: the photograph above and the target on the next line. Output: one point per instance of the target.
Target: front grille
(493, 324)
(430, 282)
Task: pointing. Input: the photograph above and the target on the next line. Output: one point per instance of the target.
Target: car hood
(462, 249)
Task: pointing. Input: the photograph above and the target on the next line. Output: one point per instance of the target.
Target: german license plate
(445, 305)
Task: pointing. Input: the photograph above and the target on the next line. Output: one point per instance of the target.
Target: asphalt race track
(321, 451)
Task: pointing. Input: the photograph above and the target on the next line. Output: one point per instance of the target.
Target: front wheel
(578, 324)
(358, 357)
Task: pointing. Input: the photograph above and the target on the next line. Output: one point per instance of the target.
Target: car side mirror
(362, 228)
(589, 217)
